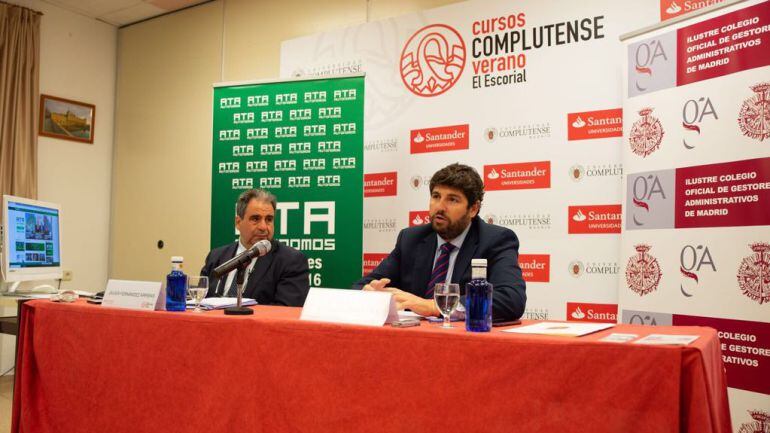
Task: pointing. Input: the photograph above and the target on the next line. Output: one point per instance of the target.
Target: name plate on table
(355, 307)
(136, 295)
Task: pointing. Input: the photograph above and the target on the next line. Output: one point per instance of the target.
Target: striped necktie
(440, 268)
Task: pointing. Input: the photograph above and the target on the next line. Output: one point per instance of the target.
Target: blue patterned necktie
(440, 268)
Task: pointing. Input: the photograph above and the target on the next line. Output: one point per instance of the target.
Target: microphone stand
(239, 310)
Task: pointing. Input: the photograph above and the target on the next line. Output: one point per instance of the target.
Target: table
(86, 368)
(10, 324)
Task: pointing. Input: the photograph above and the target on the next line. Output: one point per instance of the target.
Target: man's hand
(377, 285)
(405, 300)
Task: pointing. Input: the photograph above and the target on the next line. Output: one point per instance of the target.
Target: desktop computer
(30, 243)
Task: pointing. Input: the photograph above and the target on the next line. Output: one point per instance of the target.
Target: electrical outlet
(66, 275)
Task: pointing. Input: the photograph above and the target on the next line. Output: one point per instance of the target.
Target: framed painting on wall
(67, 119)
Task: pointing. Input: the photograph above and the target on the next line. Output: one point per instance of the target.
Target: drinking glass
(197, 288)
(446, 296)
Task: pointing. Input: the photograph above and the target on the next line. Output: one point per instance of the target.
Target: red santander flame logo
(380, 184)
(524, 175)
(535, 268)
(419, 217)
(590, 219)
(372, 260)
(439, 139)
(598, 313)
(595, 124)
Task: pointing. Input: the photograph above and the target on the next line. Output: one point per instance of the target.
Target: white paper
(619, 338)
(676, 340)
(221, 303)
(136, 295)
(358, 307)
(567, 329)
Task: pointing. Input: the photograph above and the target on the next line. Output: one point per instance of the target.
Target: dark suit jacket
(279, 278)
(410, 264)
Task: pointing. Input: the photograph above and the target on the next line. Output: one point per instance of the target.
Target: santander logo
(439, 139)
(380, 184)
(520, 175)
(578, 314)
(372, 260)
(588, 125)
(418, 218)
(535, 268)
(590, 219)
(598, 313)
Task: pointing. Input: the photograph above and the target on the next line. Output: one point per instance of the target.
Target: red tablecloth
(85, 368)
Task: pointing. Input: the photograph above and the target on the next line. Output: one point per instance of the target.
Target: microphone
(259, 249)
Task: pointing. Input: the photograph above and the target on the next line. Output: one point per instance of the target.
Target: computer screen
(31, 240)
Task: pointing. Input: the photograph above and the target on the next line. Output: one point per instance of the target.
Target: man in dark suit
(278, 278)
(442, 250)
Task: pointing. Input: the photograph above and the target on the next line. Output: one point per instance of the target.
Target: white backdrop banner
(528, 93)
(695, 246)
(532, 95)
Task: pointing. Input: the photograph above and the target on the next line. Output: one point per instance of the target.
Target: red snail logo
(761, 423)
(754, 118)
(432, 60)
(646, 134)
(643, 271)
(754, 273)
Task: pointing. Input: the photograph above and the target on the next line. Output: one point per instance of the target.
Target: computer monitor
(31, 247)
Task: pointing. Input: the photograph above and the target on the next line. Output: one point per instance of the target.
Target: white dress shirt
(232, 273)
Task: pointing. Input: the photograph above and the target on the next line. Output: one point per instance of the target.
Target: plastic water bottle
(478, 299)
(176, 286)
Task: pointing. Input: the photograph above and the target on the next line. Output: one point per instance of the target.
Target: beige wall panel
(162, 167)
(381, 9)
(254, 30)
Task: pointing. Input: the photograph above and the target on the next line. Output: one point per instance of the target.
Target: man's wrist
(434, 308)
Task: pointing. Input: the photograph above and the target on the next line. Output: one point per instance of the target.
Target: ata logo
(433, 60)
(257, 100)
(754, 272)
(754, 118)
(329, 146)
(270, 116)
(345, 95)
(693, 113)
(691, 260)
(645, 187)
(646, 134)
(761, 423)
(299, 181)
(234, 102)
(643, 271)
(644, 61)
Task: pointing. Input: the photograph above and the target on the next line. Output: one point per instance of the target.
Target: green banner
(302, 140)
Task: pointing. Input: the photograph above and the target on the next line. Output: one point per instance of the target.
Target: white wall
(77, 61)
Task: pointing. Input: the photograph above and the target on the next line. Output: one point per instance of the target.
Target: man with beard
(442, 251)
